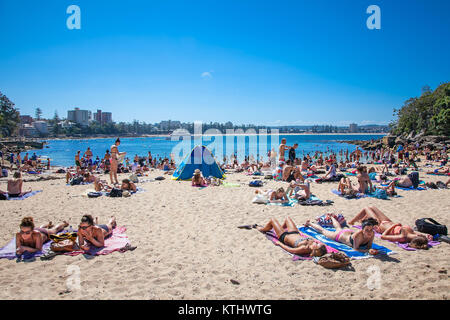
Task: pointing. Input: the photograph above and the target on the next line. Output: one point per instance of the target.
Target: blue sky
(262, 62)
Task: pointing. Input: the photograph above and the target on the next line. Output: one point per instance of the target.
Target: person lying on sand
(31, 239)
(93, 235)
(197, 179)
(278, 196)
(390, 189)
(128, 185)
(441, 170)
(299, 191)
(355, 239)
(291, 241)
(393, 231)
(404, 182)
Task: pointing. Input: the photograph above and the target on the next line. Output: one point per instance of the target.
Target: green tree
(9, 117)
(38, 113)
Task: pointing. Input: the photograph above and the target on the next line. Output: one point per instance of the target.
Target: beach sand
(189, 246)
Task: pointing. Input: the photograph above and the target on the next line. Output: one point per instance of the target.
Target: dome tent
(199, 158)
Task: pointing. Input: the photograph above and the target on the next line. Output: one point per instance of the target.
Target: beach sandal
(128, 247)
(50, 255)
(248, 226)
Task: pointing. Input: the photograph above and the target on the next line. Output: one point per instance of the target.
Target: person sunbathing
(278, 196)
(31, 239)
(391, 231)
(345, 187)
(359, 240)
(128, 185)
(441, 170)
(404, 182)
(331, 173)
(291, 173)
(93, 235)
(390, 189)
(197, 179)
(299, 191)
(291, 241)
(14, 186)
(365, 184)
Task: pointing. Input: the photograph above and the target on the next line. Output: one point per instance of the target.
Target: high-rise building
(79, 116)
(353, 127)
(103, 117)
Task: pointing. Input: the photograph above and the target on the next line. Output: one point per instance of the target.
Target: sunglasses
(26, 232)
(84, 228)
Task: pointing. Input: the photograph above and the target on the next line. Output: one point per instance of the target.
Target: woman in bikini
(31, 239)
(393, 231)
(291, 240)
(352, 238)
(278, 196)
(93, 235)
(197, 179)
(115, 154)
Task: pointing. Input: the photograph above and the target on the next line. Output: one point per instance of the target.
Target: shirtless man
(88, 153)
(282, 149)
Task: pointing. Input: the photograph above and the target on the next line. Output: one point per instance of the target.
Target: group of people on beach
(90, 234)
(372, 220)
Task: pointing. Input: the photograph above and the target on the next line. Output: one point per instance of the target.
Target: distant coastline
(225, 134)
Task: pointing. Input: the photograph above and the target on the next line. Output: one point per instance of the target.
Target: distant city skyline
(259, 62)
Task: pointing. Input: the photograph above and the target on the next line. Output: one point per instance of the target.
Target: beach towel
(404, 246)
(439, 174)
(28, 195)
(104, 193)
(357, 196)
(350, 252)
(115, 242)
(272, 236)
(408, 189)
(229, 184)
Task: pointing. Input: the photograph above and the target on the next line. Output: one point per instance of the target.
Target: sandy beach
(189, 246)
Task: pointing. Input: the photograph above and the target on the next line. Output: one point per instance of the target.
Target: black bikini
(284, 234)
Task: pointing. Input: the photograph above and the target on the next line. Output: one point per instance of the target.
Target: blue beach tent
(199, 158)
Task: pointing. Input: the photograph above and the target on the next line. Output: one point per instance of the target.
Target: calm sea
(62, 152)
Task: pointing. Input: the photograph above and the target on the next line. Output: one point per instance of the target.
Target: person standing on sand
(88, 154)
(282, 149)
(115, 155)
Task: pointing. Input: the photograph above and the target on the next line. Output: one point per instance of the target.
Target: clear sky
(281, 62)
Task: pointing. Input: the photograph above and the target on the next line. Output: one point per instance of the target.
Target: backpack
(115, 193)
(414, 176)
(76, 181)
(431, 228)
(256, 183)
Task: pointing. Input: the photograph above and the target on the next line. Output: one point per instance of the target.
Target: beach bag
(432, 228)
(115, 193)
(269, 177)
(160, 178)
(333, 260)
(260, 199)
(4, 172)
(63, 236)
(3, 196)
(325, 221)
(414, 176)
(256, 183)
(76, 181)
(66, 245)
(381, 194)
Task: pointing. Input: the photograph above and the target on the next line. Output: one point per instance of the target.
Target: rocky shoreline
(13, 145)
(391, 141)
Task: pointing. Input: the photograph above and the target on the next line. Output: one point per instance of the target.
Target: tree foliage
(9, 117)
(429, 113)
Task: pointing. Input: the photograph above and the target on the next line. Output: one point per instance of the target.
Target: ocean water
(62, 152)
